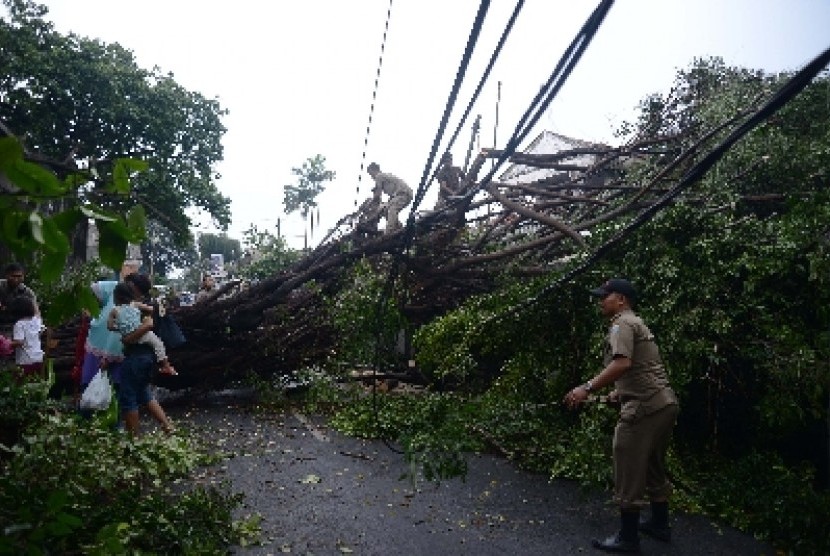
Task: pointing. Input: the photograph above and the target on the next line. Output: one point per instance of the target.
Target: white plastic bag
(98, 393)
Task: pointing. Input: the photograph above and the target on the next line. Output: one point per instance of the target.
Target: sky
(297, 77)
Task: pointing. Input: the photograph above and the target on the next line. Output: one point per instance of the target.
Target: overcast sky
(297, 76)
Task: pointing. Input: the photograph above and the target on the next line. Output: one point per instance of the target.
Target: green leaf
(122, 171)
(12, 223)
(137, 223)
(53, 237)
(36, 226)
(34, 179)
(52, 264)
(66, 304)
(67, 220)
(11, 151)
(112, 243)
(90, 212)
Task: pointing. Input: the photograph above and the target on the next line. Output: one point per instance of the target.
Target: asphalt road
(323, 493)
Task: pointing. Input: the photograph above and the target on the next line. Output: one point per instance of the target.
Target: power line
(475, 32)
(789, 90)
(486, 74)
(374, 98)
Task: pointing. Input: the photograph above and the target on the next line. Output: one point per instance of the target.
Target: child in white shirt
(28, 353)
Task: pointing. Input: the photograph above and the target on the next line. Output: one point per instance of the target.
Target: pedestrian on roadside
(126, 317)
(400, 195)
(12, 287)
(207, 288)
(648, 411)
(137, 368)
(103, 347)
(28, 352)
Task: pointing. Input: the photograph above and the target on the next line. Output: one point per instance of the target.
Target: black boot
(657, 526)
(627, 540)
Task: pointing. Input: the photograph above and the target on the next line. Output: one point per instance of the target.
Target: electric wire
(508, 28)
(374, 98)
(459, 78)
(397, 254)
(531, 116)
(786, 93)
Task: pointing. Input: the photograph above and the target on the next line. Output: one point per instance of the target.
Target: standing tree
(210, 244)
(311, 177)
(162, 253)
(85, 102)
(266, 254)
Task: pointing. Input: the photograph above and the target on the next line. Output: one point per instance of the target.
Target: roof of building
(548, 142)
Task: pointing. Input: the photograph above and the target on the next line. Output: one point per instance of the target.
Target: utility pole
(473, 137)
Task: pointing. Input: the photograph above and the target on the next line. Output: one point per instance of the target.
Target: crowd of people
(119, 338)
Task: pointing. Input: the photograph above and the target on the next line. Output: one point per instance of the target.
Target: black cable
(551, 88)
(486, 74)
(541, 101)
(786, 93)
(475, 32)
(374, 98)
(397, 254)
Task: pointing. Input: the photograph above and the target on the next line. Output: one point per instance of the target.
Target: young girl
(28, 353)
(125, 317)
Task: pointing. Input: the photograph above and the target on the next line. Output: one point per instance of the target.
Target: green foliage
(22, 404)
(69, 484)
(165, 251)
(105, 110)
(735, 284)
(228, 247)
(432, 429)
(32, 226)
(761, 493)
(266, 255)
(360, 322)
(310, 179)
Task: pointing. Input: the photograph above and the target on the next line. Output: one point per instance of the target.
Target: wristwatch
(588, 386)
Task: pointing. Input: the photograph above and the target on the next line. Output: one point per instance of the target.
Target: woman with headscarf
(103, 347)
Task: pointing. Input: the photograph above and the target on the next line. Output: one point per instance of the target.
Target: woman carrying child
(126, 317)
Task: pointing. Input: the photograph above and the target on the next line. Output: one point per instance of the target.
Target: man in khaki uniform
(449, 181)
(400, 195)
(648, 411)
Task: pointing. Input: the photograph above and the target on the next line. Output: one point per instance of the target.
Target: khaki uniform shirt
(451, 177)
(391, 185)
(646, 382)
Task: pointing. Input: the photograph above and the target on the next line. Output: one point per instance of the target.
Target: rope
(372, 105)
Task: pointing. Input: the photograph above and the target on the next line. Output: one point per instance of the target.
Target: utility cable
(397, 254)
(372, 105)
(786, 93)
(551, 88)
(459, 78)
(486, 74)
(541, 101)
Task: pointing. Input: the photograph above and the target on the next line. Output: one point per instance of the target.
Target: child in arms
(125, 317)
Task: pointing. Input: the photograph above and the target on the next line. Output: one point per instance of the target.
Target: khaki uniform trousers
(640, 446)
(395, 205)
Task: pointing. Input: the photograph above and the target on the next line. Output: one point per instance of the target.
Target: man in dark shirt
(11, 288)
(449, 181)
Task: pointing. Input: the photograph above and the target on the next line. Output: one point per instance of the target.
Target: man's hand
(575, 397)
